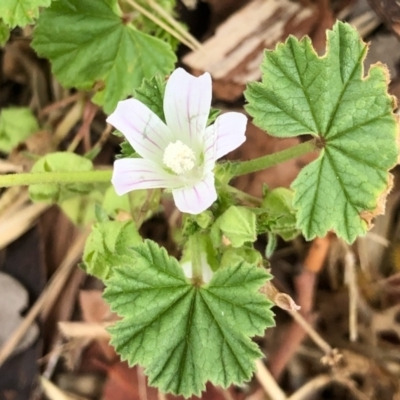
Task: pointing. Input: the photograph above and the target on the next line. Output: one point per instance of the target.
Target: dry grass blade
(13, 227)
(196, 44)
(315, 385)
(268, 382)
(53, 392)
(48, 296)
(160, 23)
(85, 330)
(12, 200)
(6, 167)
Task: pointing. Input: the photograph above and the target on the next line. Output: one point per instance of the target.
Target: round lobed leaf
(329, 97)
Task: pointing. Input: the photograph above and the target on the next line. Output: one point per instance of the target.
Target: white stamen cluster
(179, 157)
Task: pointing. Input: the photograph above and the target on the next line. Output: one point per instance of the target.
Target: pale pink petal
(146, 133)
(187, 104)
(197, 198)
(210, 149)
(137, 173)
(230, 130)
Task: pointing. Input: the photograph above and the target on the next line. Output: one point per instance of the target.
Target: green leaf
(61, 162)
(4, 33)
(329, 97)
(21, 12)
(100, 214)
(108, 245)
(238, 224)
(151, 92)
(81, 209)
(89, 44)
(185, 335)
(16, 124)
(277, 215)
(234, 256)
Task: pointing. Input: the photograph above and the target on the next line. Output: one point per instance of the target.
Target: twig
(366, 23)
(378, 239)
(89, 112)
(314, 335)
(73, 116)
(103, 139)
(304, 284)
(48, 296)
(53, 392)
(311, 387)
(59, 104)
(225, 393)
(351, 282)
(268, 382)
(142, 385)
(161, 396)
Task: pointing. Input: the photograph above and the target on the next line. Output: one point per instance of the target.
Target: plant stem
(32, 178)
(195, 252)
(270, 160)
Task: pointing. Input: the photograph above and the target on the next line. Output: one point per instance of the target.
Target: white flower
(181, 154)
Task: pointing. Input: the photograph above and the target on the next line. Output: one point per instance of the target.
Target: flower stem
(195, 252)
(243, 196)
(32, 178)
(270, 160)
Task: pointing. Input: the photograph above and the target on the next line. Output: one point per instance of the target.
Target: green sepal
(224, 172)
(185, 335)
(197, 223)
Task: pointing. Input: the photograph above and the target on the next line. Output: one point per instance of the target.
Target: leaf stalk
(195, 252)
(270, 160)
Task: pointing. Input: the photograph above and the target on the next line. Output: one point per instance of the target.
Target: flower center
(179, 157)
